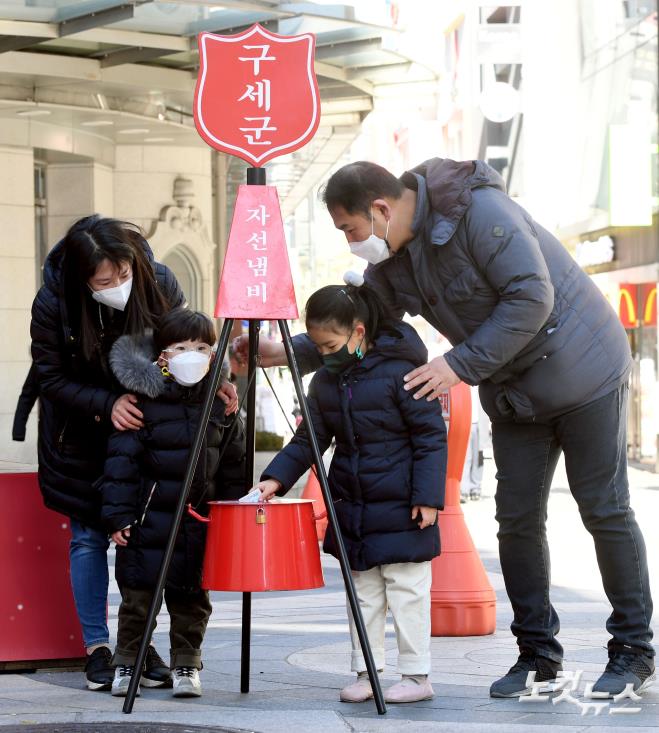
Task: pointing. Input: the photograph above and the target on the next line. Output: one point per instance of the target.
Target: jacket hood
(131, 360)
(402, 342)
(449, 184)
(54, 264)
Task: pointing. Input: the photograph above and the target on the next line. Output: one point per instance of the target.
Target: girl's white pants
(404, 588)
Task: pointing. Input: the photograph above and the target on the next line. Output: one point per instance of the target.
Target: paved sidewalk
(300, 656)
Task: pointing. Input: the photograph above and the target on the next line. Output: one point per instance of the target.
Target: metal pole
(255, 177)
(331, 517)
(245, 653)
(211, 389)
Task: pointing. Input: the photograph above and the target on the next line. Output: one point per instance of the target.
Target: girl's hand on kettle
(268, 488)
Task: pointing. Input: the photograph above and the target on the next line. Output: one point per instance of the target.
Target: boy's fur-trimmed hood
(132, 363)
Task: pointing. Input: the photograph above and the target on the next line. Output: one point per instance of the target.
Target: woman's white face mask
(374, 249)
(189, 368)
(114, 297)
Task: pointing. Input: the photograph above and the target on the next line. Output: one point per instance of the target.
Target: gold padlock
(260, 515)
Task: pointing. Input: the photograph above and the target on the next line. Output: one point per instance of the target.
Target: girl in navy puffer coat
(386, 478)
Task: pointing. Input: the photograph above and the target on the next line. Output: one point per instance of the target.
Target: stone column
(18, 283)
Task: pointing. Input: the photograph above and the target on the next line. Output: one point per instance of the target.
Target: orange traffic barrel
(312, 491)
(463, 602)
(261, 547)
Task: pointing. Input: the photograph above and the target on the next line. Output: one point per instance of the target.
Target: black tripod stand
(254, 176)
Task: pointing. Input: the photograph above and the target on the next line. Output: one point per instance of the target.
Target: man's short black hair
(182, 324)
(355, 186)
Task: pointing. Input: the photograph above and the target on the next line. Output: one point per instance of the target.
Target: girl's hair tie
(353, 278)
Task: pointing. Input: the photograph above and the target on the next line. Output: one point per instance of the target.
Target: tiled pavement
(300, 655)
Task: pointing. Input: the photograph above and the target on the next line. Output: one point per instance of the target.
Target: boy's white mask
(189, 368)
(114, 297)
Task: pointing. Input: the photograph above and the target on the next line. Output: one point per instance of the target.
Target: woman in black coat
(100, 281)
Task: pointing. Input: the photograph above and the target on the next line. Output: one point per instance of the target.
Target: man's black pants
(593, 440)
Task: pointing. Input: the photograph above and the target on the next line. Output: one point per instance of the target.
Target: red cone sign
(256, 94)
(256, 277)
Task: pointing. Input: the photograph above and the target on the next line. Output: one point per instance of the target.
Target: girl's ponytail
(345, 304)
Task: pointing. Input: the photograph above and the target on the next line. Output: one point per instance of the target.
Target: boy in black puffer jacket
(141, 485)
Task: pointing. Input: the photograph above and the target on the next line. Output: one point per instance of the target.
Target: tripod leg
(245, 654)
(331, 516)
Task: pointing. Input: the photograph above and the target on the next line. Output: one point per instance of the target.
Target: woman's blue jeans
(88, 555)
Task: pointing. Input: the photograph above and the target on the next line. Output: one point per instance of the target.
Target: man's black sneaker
(99, 670)
(625, 667)
(156, 672)
(513, 684)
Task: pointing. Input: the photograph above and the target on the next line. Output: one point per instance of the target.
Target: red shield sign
(257, 95)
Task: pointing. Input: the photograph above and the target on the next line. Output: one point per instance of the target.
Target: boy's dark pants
(189, 614)
(593, 440)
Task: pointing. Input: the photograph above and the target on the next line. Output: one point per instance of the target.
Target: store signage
(257, 95)
(597, 252)
(628, 305)
(637, 304)
(649, 301)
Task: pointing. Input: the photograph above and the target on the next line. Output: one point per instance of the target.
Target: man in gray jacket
(552, 363)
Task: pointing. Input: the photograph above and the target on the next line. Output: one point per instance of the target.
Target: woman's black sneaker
(156, 672)
(626, 667)
(513, 684)
(99, 670)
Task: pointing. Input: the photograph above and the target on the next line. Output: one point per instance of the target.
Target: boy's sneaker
(625, 667)
(156, 672)
(513, 684)
(122, 677)
(186, 682)
(98, 669)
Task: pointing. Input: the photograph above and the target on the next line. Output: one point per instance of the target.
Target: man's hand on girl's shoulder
(434, 378)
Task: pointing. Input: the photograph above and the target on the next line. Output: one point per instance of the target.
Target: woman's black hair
(86, 244)
(182, 324)
(342, 305)
(355, 186)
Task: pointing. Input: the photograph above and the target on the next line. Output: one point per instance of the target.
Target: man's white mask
(374, 249)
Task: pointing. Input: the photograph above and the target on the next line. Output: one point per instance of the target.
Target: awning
(125, 71)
